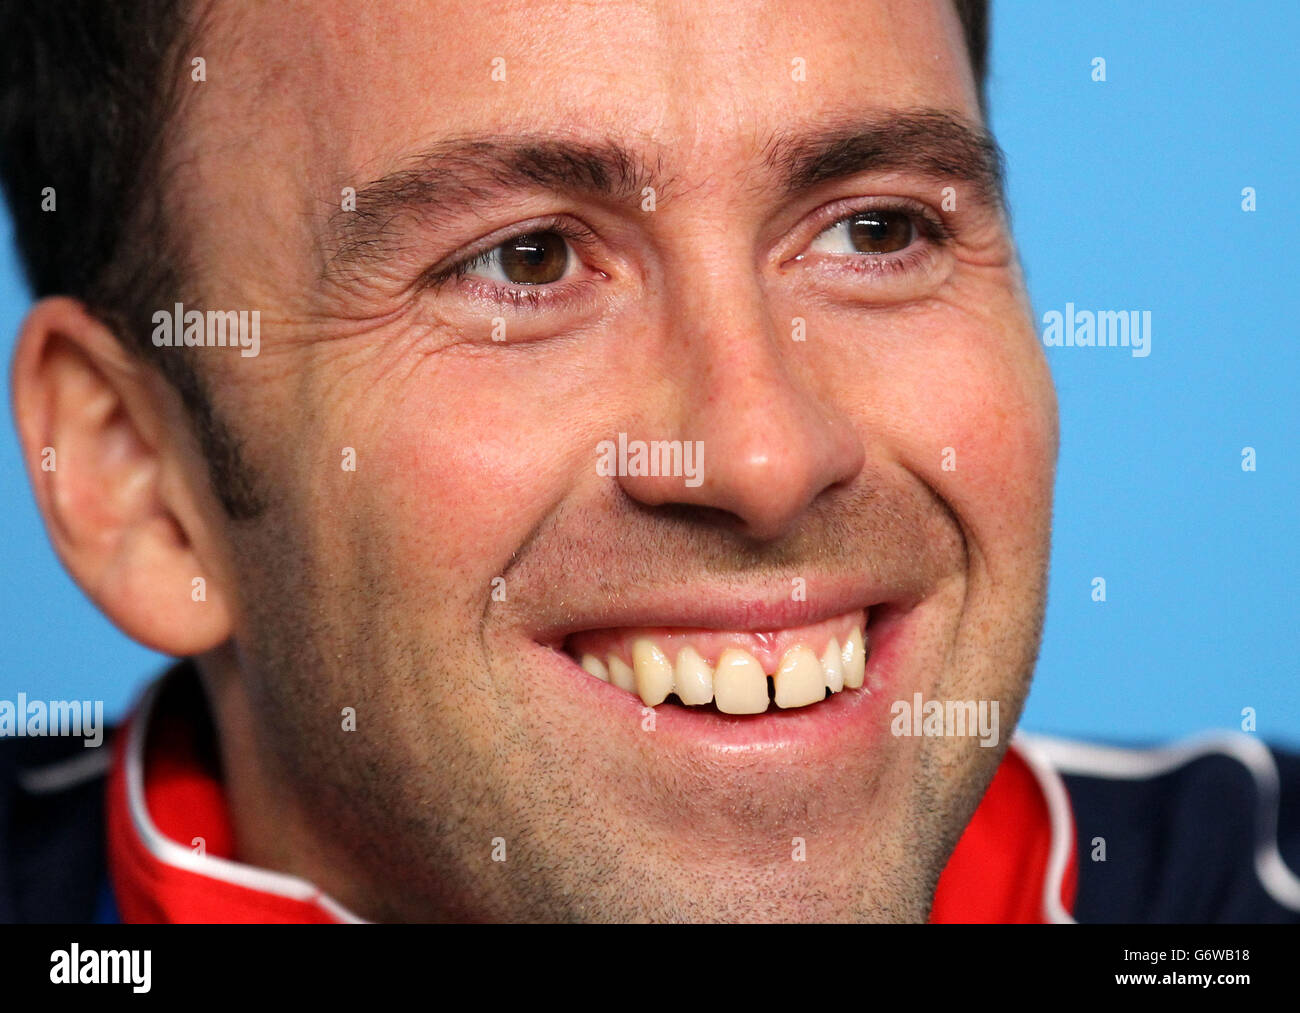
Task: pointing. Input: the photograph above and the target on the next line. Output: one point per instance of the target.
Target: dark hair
(87, 90)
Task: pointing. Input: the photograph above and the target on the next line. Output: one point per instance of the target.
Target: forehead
(351, 81)
(303, 98)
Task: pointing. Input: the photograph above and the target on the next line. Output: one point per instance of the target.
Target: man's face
(846, 339)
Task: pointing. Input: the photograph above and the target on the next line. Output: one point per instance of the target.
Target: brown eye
(881, 231)
(538, 258)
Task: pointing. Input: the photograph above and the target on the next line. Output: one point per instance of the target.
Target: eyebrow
(926, 142)
(466, 174)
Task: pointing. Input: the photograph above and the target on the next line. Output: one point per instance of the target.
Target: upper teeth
(737, 684)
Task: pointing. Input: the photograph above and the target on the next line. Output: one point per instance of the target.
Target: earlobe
(102, 461)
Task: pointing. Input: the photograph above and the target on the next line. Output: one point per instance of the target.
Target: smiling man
(635, 504)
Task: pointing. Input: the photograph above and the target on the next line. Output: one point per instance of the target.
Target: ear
(113, 474)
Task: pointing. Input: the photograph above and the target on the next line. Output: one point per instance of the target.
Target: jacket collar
(171, 847)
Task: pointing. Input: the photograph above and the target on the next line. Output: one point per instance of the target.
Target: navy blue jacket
(1191, 834)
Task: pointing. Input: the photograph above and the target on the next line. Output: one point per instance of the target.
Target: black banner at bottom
(339, 964)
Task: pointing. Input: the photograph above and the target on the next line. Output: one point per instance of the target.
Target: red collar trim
(156, 877)
(1015, 862)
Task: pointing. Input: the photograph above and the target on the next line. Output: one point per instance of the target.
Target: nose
(754, 400)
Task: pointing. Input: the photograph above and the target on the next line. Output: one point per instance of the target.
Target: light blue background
(1127, 195)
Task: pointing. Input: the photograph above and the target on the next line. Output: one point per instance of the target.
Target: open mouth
(729, 672)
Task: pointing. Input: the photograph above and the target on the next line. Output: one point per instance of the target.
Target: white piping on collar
(1062, 824)
(168, 852)
(1039, 754)
(1117, 763)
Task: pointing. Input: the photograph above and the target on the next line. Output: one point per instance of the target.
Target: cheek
(975, 417)
(999, 430)
(470, 456)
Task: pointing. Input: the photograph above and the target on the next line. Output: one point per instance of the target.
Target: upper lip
(712, 606)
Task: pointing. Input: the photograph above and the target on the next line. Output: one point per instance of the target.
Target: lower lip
(852, 714)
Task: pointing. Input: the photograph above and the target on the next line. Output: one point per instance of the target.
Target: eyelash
(928, 226)
(528, 298)
(521, 297)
